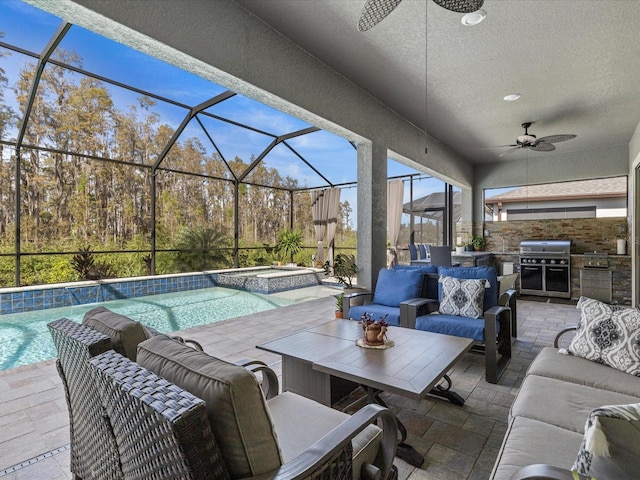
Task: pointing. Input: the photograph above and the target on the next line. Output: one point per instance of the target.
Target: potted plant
(344, 269)
(374, 331)
(339, 304)
(460, 248)
(289, 243)
(478, 243)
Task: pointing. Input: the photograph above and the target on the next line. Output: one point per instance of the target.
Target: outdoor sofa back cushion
(124, 332)
(395, 286)
(487, 273)
(236, 408)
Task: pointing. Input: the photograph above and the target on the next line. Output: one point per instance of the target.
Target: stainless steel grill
(545, 268)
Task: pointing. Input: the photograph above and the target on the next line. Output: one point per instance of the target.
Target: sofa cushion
(236, 407)
(488, 273)
(378, 312)
(608, 334)
(569, 368)
(395, 286)
(124, 332)
(565, 405)
(530, 442)
(462, 297)
(300, 422)
(452, 325)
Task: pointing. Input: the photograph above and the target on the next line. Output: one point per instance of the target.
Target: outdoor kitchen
(598, 263)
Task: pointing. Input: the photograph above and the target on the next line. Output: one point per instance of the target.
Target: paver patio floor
(458, 442)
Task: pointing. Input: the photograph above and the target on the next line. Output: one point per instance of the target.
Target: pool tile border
(43, 297)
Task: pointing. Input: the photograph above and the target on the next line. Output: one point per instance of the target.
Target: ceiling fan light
(460, 6)
(526, 139)
(374, 11)
(473, 18)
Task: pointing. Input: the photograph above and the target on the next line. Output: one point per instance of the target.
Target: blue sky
(31, 29)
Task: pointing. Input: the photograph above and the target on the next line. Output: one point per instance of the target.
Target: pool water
(25, 339)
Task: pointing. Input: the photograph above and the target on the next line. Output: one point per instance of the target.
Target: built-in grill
(545, 268)
(595, 277)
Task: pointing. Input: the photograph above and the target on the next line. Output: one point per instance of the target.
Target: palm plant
(200, 249)
(289, 243)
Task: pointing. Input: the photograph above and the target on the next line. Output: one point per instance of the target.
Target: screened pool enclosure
(117, 162)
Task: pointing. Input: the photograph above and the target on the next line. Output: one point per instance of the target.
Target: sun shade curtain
(319, 221)
(395, 194)
(332, 199)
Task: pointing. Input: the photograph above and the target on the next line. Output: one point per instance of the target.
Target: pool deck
(458, 442)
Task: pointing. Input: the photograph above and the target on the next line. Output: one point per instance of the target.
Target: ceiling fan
(374, 11)
(530, 141)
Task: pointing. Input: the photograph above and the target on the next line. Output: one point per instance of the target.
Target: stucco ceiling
(575, 62)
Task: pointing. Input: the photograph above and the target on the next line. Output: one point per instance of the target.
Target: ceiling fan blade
(556, 138)
(374, 11)
(511, 150)
(499, 146)
(460, 6)
(542, 147)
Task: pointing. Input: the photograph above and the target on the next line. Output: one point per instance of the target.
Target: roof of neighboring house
(601, 188)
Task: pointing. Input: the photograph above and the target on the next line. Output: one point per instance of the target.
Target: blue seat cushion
(452, 325)
(378, 312)
(429, 284)
(488, 273)
(397, 285)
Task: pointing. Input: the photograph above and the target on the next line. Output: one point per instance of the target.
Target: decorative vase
(374, 334)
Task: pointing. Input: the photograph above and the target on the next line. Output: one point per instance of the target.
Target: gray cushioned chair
(273, 438)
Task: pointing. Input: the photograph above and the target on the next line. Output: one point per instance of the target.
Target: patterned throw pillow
(609, 335)
(462, 297)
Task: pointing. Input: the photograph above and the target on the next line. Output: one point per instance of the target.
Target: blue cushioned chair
(423, 250)
(393, 288)
(492, 333)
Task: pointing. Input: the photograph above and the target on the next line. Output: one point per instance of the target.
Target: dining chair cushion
(395, 286)
(237, 410)
(300, 422)
(125, 333)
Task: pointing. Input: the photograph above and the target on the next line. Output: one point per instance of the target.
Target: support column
(372, 212)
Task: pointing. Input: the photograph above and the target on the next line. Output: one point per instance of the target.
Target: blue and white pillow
(462, 297)
(609, 335)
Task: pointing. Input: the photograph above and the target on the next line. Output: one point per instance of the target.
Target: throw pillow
(462, 297)
(609, 335)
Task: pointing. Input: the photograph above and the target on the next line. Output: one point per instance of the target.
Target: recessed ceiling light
(473, 18)
(512, 97)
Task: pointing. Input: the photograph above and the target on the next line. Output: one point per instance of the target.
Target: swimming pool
(25, 338)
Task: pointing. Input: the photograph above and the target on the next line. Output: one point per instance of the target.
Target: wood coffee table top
(411, 368)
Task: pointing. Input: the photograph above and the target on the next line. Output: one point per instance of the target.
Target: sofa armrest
(543, 472)
(556, 341)
(312, 460)
(355, 298)
(413, 308)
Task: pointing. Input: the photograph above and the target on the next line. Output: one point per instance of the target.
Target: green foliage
(289, 243)
(344, 268)
(200, 249)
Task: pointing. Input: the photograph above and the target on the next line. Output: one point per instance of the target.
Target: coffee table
(324, 363)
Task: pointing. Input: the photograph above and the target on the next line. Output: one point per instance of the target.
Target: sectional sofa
(560, 397)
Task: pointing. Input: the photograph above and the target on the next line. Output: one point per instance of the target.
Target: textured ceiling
(575, 62)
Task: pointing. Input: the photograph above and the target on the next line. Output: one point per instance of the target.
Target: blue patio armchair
(394, 289)
(482, 315)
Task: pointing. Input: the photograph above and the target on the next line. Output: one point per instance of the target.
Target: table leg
(445, 392)
(405, 451)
